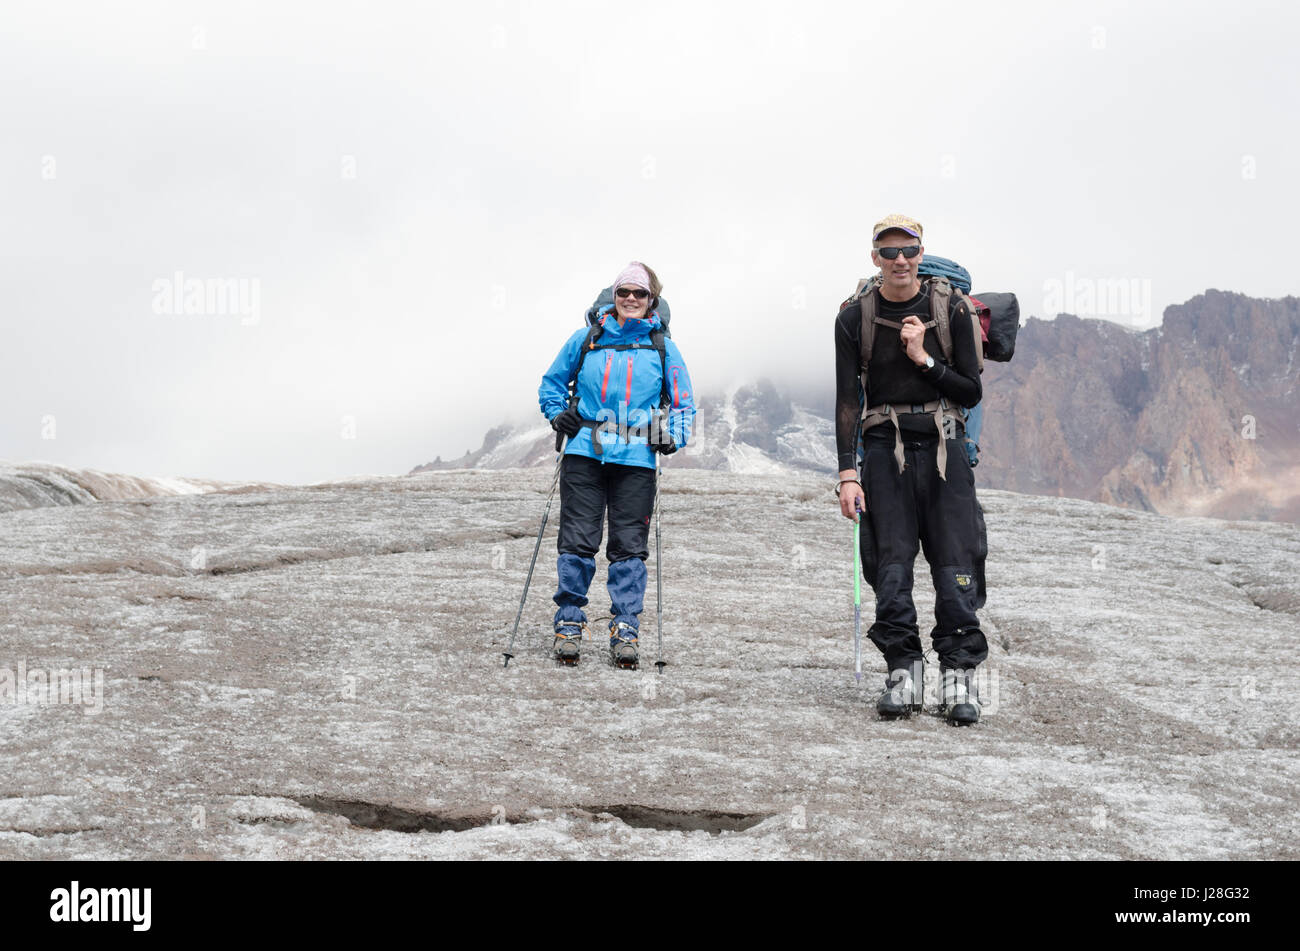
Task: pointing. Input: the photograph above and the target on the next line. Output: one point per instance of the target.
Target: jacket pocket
(604, 386)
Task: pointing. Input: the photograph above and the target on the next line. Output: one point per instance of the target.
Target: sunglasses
(909, 252)
(636, 292)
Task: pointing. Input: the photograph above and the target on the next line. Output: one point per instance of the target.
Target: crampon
(568, 644)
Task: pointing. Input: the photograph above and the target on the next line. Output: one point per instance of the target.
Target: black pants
(917, 510)
(588, 490)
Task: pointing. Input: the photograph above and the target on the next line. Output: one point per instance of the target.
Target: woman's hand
(567, 422)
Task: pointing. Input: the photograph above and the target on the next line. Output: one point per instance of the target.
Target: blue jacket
(622, 386)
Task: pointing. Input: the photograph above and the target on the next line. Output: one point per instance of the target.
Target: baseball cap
(900, 222)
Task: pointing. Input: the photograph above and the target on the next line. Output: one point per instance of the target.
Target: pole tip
(661, 664)
(507, 657)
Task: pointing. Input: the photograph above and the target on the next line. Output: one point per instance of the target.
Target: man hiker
(895, 389)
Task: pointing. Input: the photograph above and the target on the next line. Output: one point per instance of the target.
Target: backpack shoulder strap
(941, 292)
(866, 297)
(592, 343)
(657, 338)
(588, 344)
(977, 334)
(866, 335)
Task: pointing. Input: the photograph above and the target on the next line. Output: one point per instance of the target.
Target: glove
(567, 422)
(665, 445)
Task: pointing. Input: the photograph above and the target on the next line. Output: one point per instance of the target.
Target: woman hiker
(631, 398)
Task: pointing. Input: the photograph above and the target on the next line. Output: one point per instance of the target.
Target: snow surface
(315, 672)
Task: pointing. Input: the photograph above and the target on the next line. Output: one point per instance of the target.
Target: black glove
(567, 422)
(665, 443)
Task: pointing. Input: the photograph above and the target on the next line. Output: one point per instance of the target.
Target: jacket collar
(636, 327)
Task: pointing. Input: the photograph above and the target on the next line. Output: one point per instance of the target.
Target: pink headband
(634, 275)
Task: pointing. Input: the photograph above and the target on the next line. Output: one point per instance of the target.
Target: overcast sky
(414, 203)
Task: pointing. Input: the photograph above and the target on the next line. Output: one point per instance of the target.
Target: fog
(318, 240)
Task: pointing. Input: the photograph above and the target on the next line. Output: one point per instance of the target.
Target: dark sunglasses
(909, 252)
(636, 292)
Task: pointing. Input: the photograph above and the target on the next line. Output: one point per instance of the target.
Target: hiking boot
(622, 646)
(568, 642)
(903, 694)
(960, 703)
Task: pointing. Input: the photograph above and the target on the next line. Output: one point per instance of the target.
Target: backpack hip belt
(596, 429)
(654, 426)
(606, 426)
(940, 409)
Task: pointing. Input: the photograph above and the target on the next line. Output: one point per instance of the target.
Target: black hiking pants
(917, 510)
(590, 491)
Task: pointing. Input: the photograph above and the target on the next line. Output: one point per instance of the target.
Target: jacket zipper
(609, 360)
(629, 382)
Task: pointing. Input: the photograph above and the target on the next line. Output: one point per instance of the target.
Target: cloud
(430, 197)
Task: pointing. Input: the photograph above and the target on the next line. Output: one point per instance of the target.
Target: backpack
(996, 315)
(946, 415)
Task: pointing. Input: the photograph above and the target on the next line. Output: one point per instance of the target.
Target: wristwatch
(929, 362)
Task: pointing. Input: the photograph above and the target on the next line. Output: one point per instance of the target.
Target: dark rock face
(762, 412)
(1031, 414)
(1199, 416)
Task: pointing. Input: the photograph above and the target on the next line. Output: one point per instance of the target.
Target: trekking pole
(559, 446)
(659, 577)
(857, 597)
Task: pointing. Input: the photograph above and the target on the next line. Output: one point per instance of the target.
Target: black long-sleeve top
(893, 377)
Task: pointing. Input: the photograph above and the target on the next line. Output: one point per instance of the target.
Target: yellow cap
(900, 222)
